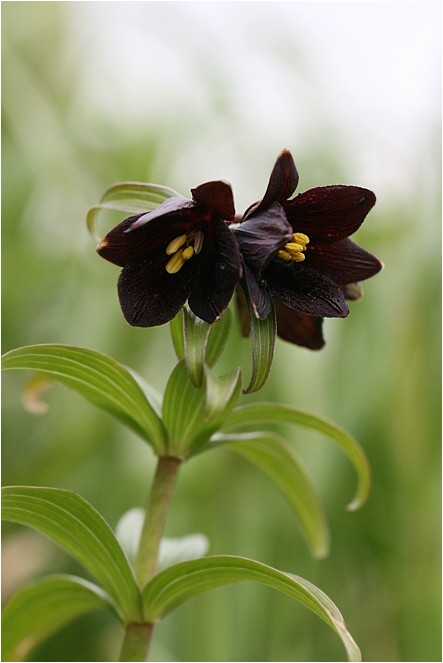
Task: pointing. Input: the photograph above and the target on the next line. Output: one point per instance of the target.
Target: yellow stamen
(284, 255)
(176, 262)
(294, 251)
(301, 238)
(188, 253)
(175, 244)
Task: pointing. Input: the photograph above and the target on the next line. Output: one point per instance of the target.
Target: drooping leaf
(198, 342)
(177, 334)
(43, 607)
(258, 414)
(196, 334)
(276, 458)
(176, 584)
(262, 334)
(192, 414)
(99, 379)
(128, 197)
(81, 531)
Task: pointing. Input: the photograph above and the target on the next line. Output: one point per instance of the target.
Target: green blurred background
(180, 93)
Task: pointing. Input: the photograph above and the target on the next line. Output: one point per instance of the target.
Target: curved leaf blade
(43, 607)
(263, 334)
(276, 458)
(196, 334)
(175, 585)
(80, 530)
(177, 335)
(128, 197)
(98, 378)
(218, 337)
(258, 414)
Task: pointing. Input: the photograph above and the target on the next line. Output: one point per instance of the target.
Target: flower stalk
(156, 515)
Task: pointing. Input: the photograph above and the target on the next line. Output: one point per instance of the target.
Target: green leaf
(218, 336)
(43, 607)
(276, 458)
(177, 334)
(198, 342)
(78, 528)
(99, 379)
(248, 416)
(192, 414)
(128, 197)
(175, 585)
(263, 333)
(196, 333)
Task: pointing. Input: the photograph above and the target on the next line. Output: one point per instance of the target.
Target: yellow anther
(175, 244)
(187, 253)
(284, 255)
(175, 263)
(300, 238)
(294, 251)
(293, 247)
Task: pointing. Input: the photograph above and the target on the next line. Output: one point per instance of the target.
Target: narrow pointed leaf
(43, 607)
(276, 458)
(175, 585)
(270, 413)
(128, 197)
(217, 338)
(99, 379)
(82, 532)
(196, 333)
(177, 334)
(262, 334)
(192, 414)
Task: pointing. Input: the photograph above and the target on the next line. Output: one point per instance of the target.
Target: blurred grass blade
(82, 532)
(175, 585)
(99, 379)
(270, 413)
(276, 458)
(129, 197)
(196, 333)
(42, 608)
(262, 334)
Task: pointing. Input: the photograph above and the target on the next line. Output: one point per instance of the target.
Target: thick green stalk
(156, 515)
(138, 636)
(136, 642)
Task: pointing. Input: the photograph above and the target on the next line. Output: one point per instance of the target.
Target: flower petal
(261, 236)
(149, 296)
(281, 185)
(142, 233)
(218, 273)
(216, 196)
(343, 262)
(305, 290)
(260, 300)
(299, 328)
(329, 213)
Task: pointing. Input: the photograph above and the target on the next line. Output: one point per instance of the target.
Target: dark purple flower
(183, 250)
(298, 255)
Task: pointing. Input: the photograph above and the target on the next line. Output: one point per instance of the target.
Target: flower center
(294, 251)
(181, 249)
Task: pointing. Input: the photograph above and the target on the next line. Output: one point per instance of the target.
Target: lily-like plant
(291, 264)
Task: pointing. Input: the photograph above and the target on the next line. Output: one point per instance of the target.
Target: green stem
(156, 514)
(138, 636)
(136, 642)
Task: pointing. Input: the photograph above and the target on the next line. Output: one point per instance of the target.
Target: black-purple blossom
(181, 251)
(298, 256)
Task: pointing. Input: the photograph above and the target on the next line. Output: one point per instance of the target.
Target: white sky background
(234, 82)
